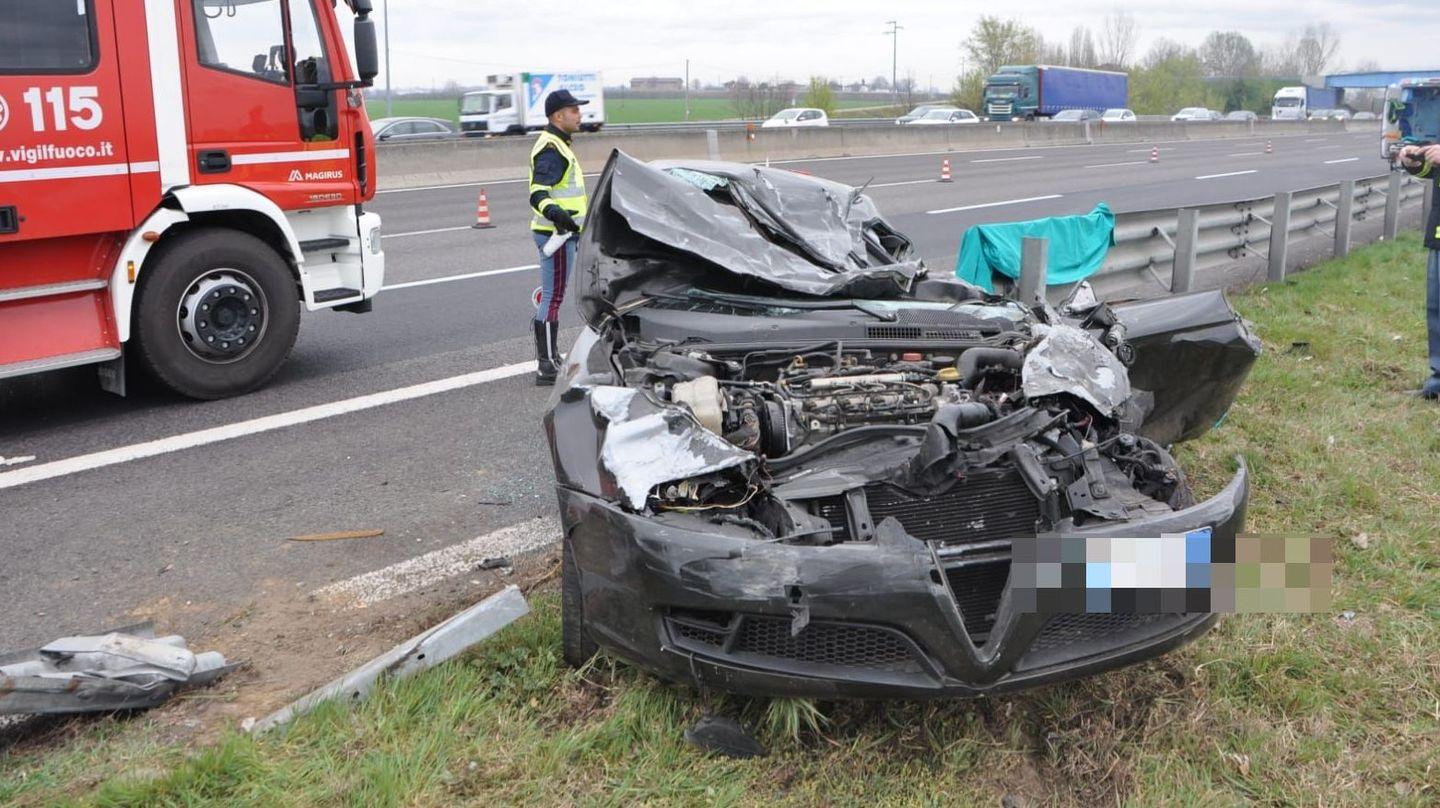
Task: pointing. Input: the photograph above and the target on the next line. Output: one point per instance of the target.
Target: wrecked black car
(792, 462)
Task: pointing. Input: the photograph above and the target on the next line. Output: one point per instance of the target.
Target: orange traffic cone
(482, 213)
(1155, 154)
(945, 170)
(1269, 149)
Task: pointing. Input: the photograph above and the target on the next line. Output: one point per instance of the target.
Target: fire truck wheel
(216, 313)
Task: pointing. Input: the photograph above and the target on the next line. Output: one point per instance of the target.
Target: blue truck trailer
(1026, 92)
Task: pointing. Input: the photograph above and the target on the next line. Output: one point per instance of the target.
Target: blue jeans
(1432, 310)
(554, 274)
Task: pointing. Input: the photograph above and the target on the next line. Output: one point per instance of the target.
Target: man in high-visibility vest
(1424, 162)
(558, 205)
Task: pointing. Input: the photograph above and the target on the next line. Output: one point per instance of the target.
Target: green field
(1336, 709)
(617, 109)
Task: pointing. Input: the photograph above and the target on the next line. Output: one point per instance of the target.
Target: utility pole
(687, 89)
(894, 34)
(389, 96)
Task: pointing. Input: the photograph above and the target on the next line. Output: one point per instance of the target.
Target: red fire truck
(177, 177)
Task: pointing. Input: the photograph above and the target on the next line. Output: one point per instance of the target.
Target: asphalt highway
(153, 497)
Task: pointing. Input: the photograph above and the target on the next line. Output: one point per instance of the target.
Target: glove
(564, 222)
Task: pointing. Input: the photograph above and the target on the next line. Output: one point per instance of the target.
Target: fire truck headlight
(374, 239)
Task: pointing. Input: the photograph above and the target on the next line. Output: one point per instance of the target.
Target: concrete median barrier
(470, 160)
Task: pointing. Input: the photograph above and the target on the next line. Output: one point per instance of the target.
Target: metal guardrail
(1181, 241)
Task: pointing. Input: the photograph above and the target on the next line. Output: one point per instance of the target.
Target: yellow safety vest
(569, 193)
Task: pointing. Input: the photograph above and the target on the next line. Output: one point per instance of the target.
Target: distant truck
(1026, 92)
(1296, 103)
(514, 103)
(1412, 116)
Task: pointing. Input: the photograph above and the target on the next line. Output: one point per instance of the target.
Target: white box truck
(514, 103)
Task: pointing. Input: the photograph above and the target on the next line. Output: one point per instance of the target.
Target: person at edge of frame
(558, 205)
(1424, 162)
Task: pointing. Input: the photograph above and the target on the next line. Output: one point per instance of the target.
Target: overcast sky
(434, 41)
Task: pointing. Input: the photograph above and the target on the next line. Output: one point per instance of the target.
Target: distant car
(1195, 114)
(1119, 116)
(921, 111)
(940, 117)
(1365, 116)
(1075, 115)
(1241, 115)
(1329, 114)
(797, 116)
(405, 130)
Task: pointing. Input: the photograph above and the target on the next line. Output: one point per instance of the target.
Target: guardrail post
(1279, 236)
(1344, 216)
(712, 139)
(1392, 205)
(1034, 260)
(1186, 235)
(1088, 141)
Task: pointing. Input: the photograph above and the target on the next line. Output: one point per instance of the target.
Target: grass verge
(1274, 709)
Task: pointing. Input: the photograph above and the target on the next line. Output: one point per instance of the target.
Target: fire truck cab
(178, 177)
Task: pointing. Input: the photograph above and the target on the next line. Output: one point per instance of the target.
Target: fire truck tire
(216, 313)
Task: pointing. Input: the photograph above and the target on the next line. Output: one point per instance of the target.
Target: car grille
(985, 506)
(847, 645)
(984, 512)
(1063, 630)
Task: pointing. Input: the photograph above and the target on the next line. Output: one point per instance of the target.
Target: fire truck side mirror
(367, 58)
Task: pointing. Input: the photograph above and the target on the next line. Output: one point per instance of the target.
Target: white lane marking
(1346, 160)
(1116, 165)
(1315, 139)
(893, 184)
(259, 158)
(15, 461)
(996, 204)
(1226, 174)
(425, 232)
(203, 437)
(1008, 159)
(1163, 148)
(466, 276)
(1246, 154)
(421, 571)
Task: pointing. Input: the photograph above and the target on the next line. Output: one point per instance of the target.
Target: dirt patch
(289, 643)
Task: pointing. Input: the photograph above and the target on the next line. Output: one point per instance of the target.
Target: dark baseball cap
(561, 99)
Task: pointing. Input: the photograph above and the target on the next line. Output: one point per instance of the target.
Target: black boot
(546, 368)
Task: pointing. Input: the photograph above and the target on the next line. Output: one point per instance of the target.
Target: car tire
(231, 267)
(576, 646)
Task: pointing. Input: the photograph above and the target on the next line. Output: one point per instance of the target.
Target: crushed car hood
(668, 227)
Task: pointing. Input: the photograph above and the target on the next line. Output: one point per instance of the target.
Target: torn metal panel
(646, 444)
(1192, 355)
(421, 652)
(1069, 360)
(662, 227)
(119, 670)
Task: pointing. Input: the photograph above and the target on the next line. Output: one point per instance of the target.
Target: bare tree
(994, 42)
(1317, 48)
(1082, 51)
(1119, 36)
(1228, 54)
(1166, 50)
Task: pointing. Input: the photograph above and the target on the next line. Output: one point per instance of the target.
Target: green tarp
(1078, 246)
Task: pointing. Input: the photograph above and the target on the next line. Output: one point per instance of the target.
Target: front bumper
(884, 619)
